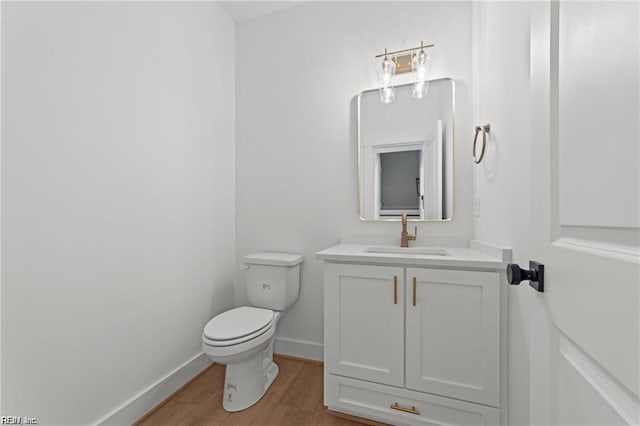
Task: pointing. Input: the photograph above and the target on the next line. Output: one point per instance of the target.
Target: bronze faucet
(405, 237)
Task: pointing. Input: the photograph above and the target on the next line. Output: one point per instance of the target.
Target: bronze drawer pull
(412, 410)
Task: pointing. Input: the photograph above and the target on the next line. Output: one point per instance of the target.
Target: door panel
(596, 299)
(598, 114)
(365, 322)
(453, 334)
(585, 330)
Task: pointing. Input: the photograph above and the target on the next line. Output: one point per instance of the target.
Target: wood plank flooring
(295, 398)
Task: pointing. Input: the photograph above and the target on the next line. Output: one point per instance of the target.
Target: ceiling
(245, 10)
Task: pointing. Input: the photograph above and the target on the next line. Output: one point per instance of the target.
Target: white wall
(117, 198)
(503, 180)
(298, 72)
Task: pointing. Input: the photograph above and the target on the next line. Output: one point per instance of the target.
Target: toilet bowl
(242, 338)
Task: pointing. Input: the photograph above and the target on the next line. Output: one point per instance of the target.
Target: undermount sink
(427, 251)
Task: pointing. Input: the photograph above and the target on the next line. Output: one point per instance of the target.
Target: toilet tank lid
(275, 259)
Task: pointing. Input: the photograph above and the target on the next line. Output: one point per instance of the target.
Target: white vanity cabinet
(364, 322)
(413, 344)
(453, 334)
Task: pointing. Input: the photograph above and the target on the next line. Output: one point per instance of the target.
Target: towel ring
(484, 129)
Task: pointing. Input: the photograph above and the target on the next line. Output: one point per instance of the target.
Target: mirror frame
(453, 150)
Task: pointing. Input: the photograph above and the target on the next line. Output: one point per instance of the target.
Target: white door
(585, 81)
(364, 322)
(453, 334)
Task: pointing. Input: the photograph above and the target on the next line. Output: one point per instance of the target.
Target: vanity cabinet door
(364, 322)
(453, 334)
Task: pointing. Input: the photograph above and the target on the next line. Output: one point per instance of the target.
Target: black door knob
(515, 274)
(535, 275)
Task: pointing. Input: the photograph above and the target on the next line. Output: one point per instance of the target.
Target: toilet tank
(273, 280)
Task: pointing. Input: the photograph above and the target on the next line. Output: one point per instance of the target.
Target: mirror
(405, 154)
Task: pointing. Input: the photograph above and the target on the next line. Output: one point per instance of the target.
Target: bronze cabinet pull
(395, 290)
(412, 410)
(414, 291)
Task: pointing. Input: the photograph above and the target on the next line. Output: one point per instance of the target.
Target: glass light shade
(420, 89)
(387, 94)
(420, 67)
(386, 70)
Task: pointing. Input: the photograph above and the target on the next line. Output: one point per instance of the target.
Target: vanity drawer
(375, 401)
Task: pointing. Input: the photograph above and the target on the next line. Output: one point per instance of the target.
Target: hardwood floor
(295, 398)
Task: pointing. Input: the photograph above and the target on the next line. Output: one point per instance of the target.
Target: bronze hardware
(405, 237)
(395, 290)
(404, 50)
(403, 61)
(412, 410)
(414, 291)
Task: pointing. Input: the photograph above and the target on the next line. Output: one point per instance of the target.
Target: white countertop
(475, 255)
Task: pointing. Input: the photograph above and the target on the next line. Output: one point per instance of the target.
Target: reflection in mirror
(405, 154)
(398, 172)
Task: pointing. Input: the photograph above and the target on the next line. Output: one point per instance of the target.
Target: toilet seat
(237, 326)
(224, 353)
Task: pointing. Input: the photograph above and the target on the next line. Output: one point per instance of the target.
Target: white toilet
(242, 338)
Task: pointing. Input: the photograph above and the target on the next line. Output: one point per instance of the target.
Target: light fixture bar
(404, 50)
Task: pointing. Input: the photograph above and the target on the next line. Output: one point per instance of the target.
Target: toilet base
(247, 381)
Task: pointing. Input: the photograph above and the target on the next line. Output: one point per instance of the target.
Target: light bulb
(386, 70)
(420, 66)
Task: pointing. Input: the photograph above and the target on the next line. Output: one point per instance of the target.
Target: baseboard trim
(155, 395)
(299, 348)
(276, 355)
(352, 418)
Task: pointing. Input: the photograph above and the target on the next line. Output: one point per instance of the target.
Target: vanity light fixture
(420, 65)
(403, 61)
(386, 70)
